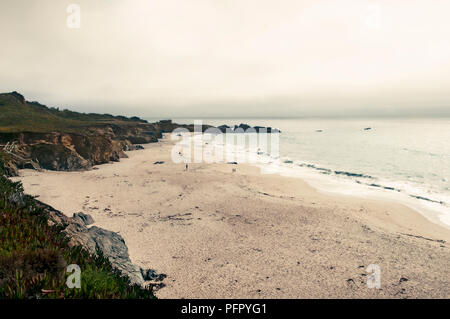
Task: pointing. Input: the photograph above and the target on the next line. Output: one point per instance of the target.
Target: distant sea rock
(245, 128)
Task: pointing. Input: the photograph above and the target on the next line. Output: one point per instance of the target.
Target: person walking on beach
(187, 167)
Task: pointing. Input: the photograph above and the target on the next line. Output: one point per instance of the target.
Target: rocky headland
(39, 136)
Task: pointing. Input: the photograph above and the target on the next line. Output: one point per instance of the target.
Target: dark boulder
(273, 130)
(84, 218)
(224, 128)
(243, 126)
(151, 275)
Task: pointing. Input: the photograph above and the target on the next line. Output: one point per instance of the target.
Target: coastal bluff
(62, 140)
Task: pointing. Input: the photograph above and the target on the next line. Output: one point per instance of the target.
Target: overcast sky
(230, 58)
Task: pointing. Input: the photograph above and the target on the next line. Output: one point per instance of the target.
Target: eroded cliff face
(56, 139)
(79, 151)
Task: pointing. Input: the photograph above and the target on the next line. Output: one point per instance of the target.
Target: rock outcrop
(19, 97)
(94, 239)
(245, 128)
(79, 151)
(84, 218)
(65, 140)
(112, 246)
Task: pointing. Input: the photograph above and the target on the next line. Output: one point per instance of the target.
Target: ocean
(399, 160)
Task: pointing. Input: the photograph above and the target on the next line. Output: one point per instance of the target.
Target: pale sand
(218, 234)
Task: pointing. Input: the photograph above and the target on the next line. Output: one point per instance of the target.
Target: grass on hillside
(34, 255)
(17, 116)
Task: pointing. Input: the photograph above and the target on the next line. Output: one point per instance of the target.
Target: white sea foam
(405, 161)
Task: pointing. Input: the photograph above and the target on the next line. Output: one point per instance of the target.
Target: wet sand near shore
(223, 234)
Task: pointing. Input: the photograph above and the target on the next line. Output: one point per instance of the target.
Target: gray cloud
(177, 58)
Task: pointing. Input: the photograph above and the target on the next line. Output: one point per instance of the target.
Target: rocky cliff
(65, 140)
(78, 151)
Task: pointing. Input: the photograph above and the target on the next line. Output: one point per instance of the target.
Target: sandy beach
(216, 233)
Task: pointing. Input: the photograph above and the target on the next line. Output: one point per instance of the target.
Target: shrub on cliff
(34, 255)
(18, 115)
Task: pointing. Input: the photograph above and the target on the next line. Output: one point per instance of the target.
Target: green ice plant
(34, 255)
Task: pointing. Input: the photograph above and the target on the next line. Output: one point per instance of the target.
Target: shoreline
(330, 186)
(333, 186)
(378, 195)
(212, 229)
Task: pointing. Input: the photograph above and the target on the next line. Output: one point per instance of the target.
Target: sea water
(401, 160)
